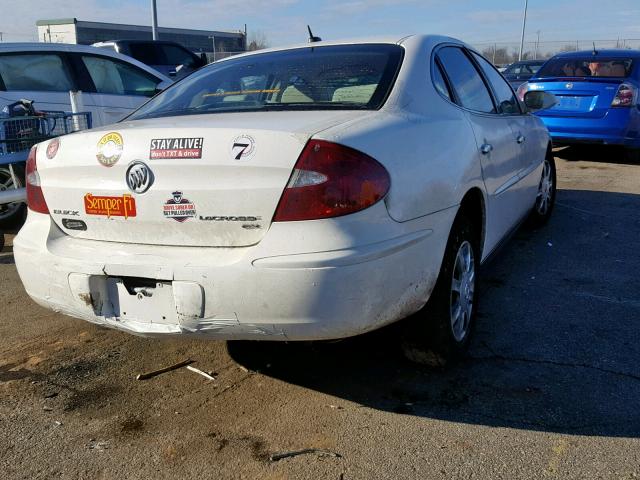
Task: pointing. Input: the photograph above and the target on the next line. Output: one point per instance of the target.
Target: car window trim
(63, 59)
(458, 103)
(447, 81)
(83, 80)
(470, 54)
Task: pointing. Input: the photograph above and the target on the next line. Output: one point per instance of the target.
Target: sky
(284, 22)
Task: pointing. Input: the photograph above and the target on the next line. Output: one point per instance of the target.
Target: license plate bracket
(143, 302)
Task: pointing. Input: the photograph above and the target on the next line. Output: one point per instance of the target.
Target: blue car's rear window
(588, 66)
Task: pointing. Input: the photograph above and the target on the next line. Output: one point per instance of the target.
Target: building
(72, 30)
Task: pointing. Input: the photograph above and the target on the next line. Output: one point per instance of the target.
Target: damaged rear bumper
(233, 293)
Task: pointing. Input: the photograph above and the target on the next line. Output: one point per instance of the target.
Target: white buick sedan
(304, 193)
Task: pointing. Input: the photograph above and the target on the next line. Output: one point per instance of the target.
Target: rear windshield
(522, 68)
(587, 67)
(147, 53)
(314, 78)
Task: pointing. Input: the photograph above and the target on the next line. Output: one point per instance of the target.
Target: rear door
(522, 125)
(117, 87)
(500, 154)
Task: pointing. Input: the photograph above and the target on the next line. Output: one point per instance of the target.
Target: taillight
(35, 198)
(522, 89)
(330, 180)
(625, 96)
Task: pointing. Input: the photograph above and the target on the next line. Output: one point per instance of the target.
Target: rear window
(522, 69)
(587, 67)
(147, 53)
(314, 78)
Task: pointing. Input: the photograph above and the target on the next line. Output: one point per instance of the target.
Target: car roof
(71, 47)
(388, 39)
(127, 40)
(614, 53)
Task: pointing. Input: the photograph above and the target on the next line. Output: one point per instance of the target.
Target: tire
(1, 241)
(435, 336)
(546, 196)
(13, 214)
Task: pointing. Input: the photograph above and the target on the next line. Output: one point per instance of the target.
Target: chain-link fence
(501, 53)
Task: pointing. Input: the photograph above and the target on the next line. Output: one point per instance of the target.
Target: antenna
(312, 39)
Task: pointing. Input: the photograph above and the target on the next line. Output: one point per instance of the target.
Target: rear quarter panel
(424, 141)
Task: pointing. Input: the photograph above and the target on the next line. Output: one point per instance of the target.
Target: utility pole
(524, 24)
(1, 36)
(154, 20)
(213, 39)
(535, 55)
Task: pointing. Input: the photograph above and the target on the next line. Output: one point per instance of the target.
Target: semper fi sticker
(175, 148)
(122, 206)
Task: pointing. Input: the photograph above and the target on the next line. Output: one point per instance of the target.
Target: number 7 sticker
(243, 147)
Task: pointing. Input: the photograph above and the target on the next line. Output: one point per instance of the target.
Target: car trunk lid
(216, 179)
(580, 97)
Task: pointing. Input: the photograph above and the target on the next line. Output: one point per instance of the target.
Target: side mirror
(537, 100)
(203, 59)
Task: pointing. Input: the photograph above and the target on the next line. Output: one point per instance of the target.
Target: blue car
(597, 94)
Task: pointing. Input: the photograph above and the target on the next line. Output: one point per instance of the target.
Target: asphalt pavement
(549, 389)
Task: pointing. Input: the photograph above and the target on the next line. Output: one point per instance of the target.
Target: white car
(303, 193)
(112, 85)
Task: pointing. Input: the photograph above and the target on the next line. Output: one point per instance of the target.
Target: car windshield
(587, 67)
(313, 78)
(522, 69)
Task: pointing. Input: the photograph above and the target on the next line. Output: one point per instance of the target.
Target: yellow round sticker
(109, 149)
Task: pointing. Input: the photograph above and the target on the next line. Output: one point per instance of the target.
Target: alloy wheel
(462, 291)
(545, 190)
(6, 183)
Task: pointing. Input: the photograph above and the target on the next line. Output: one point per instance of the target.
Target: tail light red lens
(625, 96)
(35, 198)
(331, 180)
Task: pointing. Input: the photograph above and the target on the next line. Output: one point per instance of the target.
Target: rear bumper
(619, 126)
(240, 293)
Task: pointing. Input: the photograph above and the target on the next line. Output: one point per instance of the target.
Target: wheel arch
(473, 206)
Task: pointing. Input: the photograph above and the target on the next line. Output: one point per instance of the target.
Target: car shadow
(594, 153)
(556, 346)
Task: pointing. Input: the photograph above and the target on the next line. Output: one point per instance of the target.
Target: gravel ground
(549, 390)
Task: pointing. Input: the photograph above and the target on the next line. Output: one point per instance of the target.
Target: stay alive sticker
(176, 148)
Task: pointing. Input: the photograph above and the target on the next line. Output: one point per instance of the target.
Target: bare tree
(257, 40)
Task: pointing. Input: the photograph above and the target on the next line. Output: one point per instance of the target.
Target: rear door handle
(521, 139)
(486, 148)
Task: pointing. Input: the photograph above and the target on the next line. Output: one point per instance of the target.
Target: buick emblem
(569, 86)
(139, 177)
